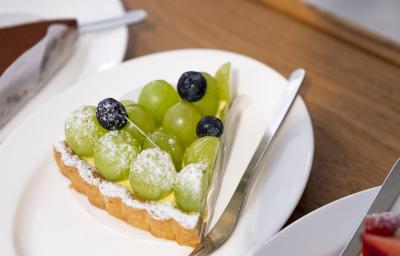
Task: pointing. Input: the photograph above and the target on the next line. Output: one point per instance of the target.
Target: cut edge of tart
(161, 219)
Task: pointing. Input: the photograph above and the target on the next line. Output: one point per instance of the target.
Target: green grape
(114, 153)
(152, 174)
(127, 102)
(208, 104)
(191, 186)
(157, 97)
(160, 129)
(82, 131)
(142, 118)
(223, 77)
(202, 150)
(167, 143)
(181, 121)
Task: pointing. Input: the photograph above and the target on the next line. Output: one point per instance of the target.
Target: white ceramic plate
(41, 216)
(94, 52)
(323, 232)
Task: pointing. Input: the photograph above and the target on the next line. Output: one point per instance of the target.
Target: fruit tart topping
(180, 120)
(82, 131)
(223, 77)
(127, 102)
(379, 236)
(209, 126)
(202, 150)
(141, 122)
(383, 224)
(397, 233)
(191, 186)
(169, 144)
(192, 86)
(163, 126)
(152, 174)
(114, 153)
(111, 114)
(208, 104)
(158, 96)
(374, 245)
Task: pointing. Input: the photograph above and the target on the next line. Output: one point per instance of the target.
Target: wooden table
(353, 96)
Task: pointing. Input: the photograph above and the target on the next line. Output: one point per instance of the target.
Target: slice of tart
(151, 163)
(381, 235)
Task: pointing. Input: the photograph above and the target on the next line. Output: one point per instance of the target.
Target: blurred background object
(381, 17)
(27, 64)
(369, 25)
(92, 53)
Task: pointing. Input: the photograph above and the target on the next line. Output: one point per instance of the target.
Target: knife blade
(383, 201)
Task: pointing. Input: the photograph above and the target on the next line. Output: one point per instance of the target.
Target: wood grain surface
(353, 96)
(344, 30)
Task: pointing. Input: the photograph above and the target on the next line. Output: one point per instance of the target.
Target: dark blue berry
(111, 114)
(209, 126)
(192, 86)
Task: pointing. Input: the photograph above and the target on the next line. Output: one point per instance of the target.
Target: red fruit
(383, 224)
(374, 245)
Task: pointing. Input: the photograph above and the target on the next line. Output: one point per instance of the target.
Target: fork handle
(127, 18)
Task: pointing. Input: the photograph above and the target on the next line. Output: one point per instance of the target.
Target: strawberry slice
(383, 224)
(374, 245)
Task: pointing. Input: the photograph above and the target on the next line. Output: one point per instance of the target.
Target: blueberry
(209, 126)
(192, 86)
(111, 114)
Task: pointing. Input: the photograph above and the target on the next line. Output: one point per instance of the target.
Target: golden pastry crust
(139, 218)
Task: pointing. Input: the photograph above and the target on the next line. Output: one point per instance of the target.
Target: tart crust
(139, 217)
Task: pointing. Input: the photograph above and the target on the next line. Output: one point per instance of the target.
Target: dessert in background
(15, 40)
(381, 235)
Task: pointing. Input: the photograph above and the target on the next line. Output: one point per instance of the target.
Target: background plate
(37, 204)
(94, 52)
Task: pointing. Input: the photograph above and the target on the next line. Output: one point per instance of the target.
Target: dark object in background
(15, 40)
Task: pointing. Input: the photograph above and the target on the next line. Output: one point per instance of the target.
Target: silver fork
(128, 18)
(230, 217)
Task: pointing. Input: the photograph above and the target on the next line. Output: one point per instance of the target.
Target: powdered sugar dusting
(387, 220)
(154, 167)
(157, 210)
(83, 120)
(119, 148)
(85, 170)
(190, 177)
